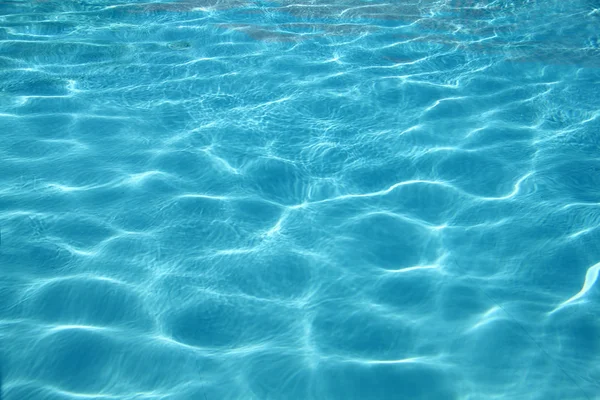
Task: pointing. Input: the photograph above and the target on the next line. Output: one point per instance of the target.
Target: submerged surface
(300, 200)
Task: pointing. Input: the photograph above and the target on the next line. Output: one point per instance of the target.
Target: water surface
(300, 200)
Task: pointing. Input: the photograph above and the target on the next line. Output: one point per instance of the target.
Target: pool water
(281, 200)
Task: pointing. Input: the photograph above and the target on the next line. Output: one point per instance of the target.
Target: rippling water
(300, 200)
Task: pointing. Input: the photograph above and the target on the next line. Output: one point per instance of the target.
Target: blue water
(213, 200)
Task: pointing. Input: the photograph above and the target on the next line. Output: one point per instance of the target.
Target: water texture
(205, 199)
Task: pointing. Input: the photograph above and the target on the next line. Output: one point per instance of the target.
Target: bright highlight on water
(281, 200)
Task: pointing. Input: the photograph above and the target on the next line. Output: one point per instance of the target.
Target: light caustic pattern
(300, 200)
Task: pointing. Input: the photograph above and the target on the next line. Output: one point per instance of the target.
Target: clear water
(300, 200)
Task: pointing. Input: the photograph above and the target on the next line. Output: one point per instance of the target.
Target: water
(300, 200)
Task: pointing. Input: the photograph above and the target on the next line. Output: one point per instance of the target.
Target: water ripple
(207, 199)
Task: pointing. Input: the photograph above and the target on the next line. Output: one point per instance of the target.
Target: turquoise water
(300, 200)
